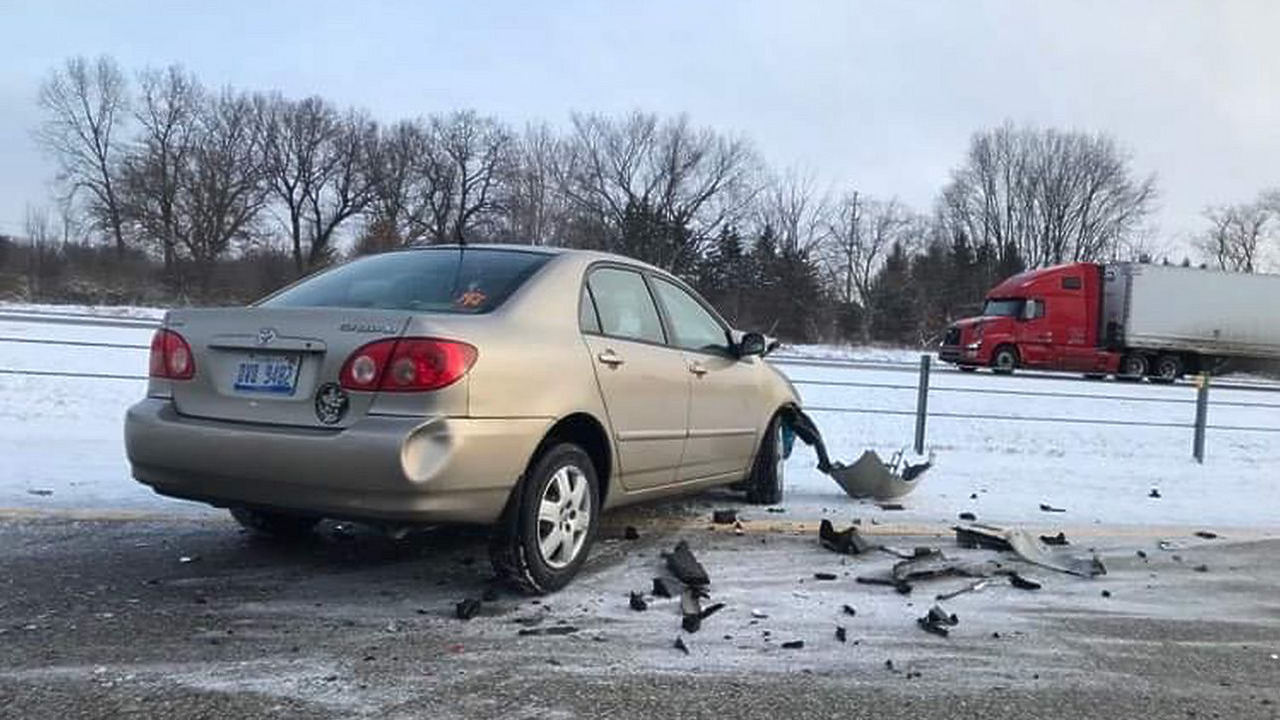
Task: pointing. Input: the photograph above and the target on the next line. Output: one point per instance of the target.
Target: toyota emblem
(266, 336)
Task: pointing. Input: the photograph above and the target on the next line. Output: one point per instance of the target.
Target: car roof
(587, 256)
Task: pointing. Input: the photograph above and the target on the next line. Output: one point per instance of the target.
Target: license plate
(274, 374)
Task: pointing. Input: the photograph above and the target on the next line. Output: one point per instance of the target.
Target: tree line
(206, 195)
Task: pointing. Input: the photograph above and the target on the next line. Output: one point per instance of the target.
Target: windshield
(1003, 308)
(446, 281)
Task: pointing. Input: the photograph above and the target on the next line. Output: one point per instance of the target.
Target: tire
(1132, 368)
(546, 532)
(1168, 368)
(1005, 360)
(765, 481)
(277, 525)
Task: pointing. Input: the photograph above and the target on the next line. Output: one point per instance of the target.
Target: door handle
(610, 358)
(697, 368)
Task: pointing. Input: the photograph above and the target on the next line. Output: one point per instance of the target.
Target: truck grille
(952, 337)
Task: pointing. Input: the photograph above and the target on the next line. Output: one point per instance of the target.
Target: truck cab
(1048, 318)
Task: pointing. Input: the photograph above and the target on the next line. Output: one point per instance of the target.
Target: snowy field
(62, 436)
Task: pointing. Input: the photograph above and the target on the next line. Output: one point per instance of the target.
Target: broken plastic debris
(1022, 583)
(467, 609)
(724, 517)
(40, 492)
(1206, 534)
(849, 610)
(630, 533)
(968, 516)
(1059, 539)
(845, 542)
(637, 602)
(553, 630)
(937, 621)
(679, 645)
(660, 588)
(1155, 493)
(871, 477)
(824, 576)
(892, 506)
(1046, 507)
(685, 566)
(794, 645)
(1027, 547)
(759, 614)
(690, 611)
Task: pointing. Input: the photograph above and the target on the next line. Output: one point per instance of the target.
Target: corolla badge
(266, 336)
(331, 403)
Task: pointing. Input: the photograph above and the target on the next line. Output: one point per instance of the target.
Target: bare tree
(534, 210)
(799, 215)
(168, 113)
(692, 180)
(468, 157)
(1048, 195)
(85, 105)
(859, 236)
(316, 162)
(1239, 234)
(222, 188)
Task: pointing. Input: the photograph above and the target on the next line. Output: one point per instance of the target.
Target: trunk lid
(273, 365)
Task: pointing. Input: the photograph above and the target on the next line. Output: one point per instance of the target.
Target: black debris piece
(1206, 534)
(553, 630)
(490, 595)
(1142, 554)
(968, 516)
(724, 517)
(794, 645)
(891, 506)
(903, 588)
(841, 634)
(1201, 568)
(681, 646)
(982, 536)
(1106, 593)
(710, 610)
(467, 609)
(630, 533)
(846, 542)
(775, 510)
(1059, 539)
(690, 611)
(686, 567)
(1029, 548)
(637, 602)
(660, 588)
(973, 496)
(888, 665)
(1155, 493)
(1046, 507)
(40, 492)
(937, 621)
(935, 628)
(824, 576)
(1022, 583)
(850, 611)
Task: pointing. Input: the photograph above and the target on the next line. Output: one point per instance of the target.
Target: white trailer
(1201, 314)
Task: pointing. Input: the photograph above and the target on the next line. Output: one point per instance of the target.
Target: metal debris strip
(1027, 547)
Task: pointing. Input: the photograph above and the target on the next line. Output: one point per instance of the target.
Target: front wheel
(1005, 361)
(764, 483)
(278, 525)
(546, 533)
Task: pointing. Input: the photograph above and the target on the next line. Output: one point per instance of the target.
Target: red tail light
(171, 357)
(407, 365)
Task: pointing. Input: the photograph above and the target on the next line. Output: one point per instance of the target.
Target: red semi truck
(1130, 320)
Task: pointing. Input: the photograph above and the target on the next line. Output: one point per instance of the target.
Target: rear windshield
(444, 281)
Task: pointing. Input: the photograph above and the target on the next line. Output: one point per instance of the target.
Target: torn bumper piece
(869, 477)
(1027, 547)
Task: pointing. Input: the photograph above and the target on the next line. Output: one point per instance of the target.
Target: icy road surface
(61, 437)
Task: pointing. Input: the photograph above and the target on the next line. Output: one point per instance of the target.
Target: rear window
(445, 281)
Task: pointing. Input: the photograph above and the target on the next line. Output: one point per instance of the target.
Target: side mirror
(752, 343)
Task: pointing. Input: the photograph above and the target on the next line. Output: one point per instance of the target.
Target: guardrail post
(1202, 416)
(922, 402)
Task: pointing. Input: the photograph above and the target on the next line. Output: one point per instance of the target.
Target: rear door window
(444, 281)
(624, 305)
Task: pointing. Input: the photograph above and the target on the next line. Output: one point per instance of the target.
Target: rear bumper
(399, 469)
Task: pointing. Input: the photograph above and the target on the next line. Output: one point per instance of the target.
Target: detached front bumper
(399, 469)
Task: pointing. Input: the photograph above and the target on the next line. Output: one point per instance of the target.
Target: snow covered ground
(61, 437)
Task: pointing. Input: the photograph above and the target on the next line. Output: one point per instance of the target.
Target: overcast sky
(881, 97)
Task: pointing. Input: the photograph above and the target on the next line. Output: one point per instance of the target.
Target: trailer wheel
(1132, 368)
(1005, 361)
(1168, 369)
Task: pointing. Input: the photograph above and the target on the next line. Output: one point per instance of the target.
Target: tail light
(407, 365)
(171, 357)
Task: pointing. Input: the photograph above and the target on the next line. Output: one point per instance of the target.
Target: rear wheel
(282, 526)
(1168, 369)
(1005, 361)
(764, 483)
(1132, 368)
(546, 532)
